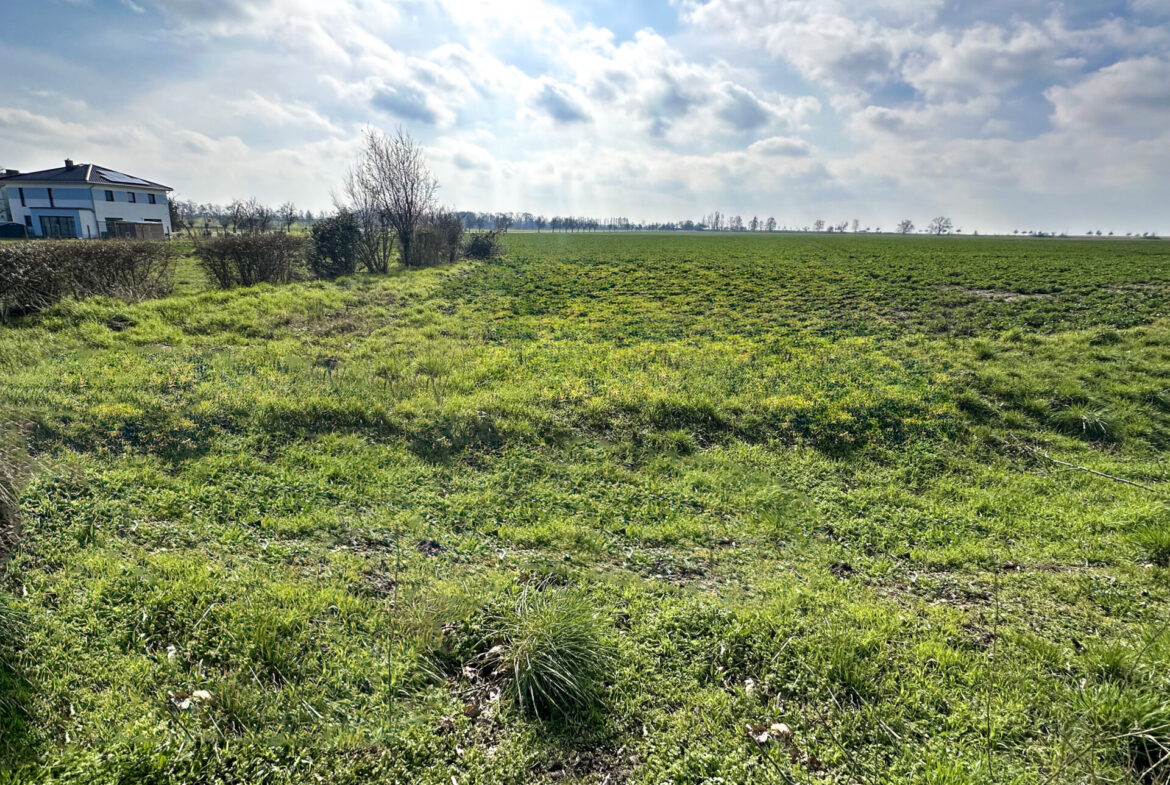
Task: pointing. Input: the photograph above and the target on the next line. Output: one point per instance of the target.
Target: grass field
(305, 533)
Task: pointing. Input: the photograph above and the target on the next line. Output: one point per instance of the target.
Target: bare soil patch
(999, 295)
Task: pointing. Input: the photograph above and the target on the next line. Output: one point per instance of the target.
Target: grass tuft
(551, 651)
(1154, 540)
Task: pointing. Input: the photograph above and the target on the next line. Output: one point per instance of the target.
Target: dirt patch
(841, 570)
(590, 765)
(998, 295)
(429, 548)
(677, 570)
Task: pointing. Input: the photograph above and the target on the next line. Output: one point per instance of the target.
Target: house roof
(91, 174)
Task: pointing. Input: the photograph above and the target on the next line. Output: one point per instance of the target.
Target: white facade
(56, 208)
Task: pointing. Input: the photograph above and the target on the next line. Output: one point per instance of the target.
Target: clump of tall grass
(1087, 422)
(1154, 541)
(550, 649)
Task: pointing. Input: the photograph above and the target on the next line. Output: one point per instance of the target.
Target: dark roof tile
(82, 173)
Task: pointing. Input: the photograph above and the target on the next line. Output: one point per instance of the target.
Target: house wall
(87, 227)
(140, 211)
(89, 202)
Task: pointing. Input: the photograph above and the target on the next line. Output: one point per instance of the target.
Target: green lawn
(277, 534)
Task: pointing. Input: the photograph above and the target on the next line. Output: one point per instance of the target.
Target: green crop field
(618, 508)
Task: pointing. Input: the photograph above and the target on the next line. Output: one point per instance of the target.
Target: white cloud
(781, 146)
(1127, 99)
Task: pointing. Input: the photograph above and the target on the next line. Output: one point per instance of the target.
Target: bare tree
(856, 226)
(819, 225)
(394, 175)
(287, 213)
(770, 225)
(940, 225)
(376, 247)
(906, 227)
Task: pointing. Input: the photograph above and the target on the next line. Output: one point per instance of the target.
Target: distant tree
(770, 225)
(287, 214)
(819, 225)
(251, 216)
(178, 222)
(736, 224)
(906, 226)
(856, 225)
(940, 225)
(394, 174)
(540, 222)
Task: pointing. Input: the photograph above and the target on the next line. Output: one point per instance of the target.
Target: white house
(84, 200)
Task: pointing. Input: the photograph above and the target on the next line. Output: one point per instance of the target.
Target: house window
(22, 204)
(51, 202)
(58, 226)
(150, 198)
(28, 221)
(109, 196)
(133, 197)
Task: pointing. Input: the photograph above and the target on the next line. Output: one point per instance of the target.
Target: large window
(133, 196)
(58, 226)
(150, 198)
(109, 196)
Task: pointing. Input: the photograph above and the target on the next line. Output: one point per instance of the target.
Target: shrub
(36, 274)
(550, 650)
(248, 259)
(449, 227)
(485, 246)
(427, 249)
(439, 241)
(336, 243)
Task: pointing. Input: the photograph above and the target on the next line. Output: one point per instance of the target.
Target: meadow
(782, 508)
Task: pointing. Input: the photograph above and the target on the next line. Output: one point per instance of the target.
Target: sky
(1002, 114)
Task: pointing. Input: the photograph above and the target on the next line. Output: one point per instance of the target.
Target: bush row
(338, 246)
(247, 259)
(36, 274)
